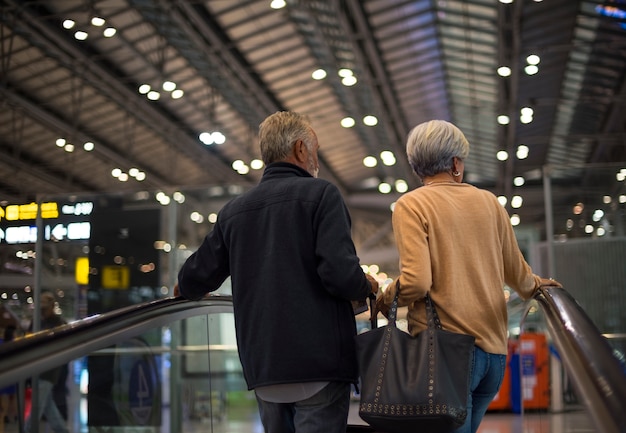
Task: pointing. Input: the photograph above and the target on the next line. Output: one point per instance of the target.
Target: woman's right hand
(550, 282)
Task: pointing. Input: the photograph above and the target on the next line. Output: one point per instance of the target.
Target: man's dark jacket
(287, 246)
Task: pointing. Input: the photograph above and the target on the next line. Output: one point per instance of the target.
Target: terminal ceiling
(239, 60)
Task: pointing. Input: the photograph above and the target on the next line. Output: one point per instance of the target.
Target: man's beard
(311, 168)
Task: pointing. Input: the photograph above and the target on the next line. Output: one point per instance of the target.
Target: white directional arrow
(59, 232)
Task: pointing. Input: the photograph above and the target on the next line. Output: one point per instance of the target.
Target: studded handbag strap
(432, 318)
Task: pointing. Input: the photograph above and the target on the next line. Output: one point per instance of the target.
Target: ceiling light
(347, 122)
(531, 69)
(370, 120)
(388, 157)
(60, 142)
(256, 164)
(527, 111)
(144, 89)
(526, 115)
(69, 148)
(503, 119)
(140, 176)
(218, 137)
(97, 21)
(522, 152)
(116, 172)
(278, 4)
(502, 155)
(109, 32)
(588, 229)
(80, 35)
(533, 59)
(349, 81)
(123, 177)
(622, 198)
(401, 186)
(212, 217)
(502, 200)
(88, 146)
(345, 72)
(607, 199)
(214, 137)
(237, 164)
(597, 215)
(526, 119)
(516, 201)
(504, 71)
(177, 94)
(68, 24)
(518, 181)
(162, 198)
(179, 197)
(169, 86)
(515, 219)
(133, 171)
(318, 74)
(384, 188)
(153, 95)
(206, 138)
(370, 161)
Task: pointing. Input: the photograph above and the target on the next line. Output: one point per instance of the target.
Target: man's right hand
(373, 283)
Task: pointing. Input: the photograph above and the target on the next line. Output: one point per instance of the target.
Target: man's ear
(300, 151)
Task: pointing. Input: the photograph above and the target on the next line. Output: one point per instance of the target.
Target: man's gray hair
(431, 147)
(278, 133)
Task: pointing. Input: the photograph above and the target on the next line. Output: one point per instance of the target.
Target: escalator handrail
(43, 350)
(588, 358)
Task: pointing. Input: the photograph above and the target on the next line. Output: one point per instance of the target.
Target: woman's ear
(456, 162)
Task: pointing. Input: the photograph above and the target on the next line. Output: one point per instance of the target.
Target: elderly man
(287, 246)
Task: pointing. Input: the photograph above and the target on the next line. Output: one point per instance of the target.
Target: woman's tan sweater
(457, 241)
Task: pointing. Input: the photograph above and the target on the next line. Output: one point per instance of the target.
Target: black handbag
(414, 384)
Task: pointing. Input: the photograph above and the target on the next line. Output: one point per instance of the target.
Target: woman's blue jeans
(486, 378)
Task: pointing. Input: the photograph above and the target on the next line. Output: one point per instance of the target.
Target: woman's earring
(456, 173)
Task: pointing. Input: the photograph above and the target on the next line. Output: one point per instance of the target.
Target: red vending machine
(534, 365)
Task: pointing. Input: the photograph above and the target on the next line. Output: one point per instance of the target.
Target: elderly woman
(456, 241)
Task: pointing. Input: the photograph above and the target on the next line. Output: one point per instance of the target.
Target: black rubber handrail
(41, 351)
(597, 375)
(588, 358)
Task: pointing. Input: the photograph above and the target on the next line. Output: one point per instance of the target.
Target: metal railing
(597, 375)
(44, 350)
(588, 358)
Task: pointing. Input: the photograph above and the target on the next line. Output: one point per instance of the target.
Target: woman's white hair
(431, 147)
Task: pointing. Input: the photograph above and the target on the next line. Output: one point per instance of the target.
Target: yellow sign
(21, 212)
(115, 277)
(82, 271)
